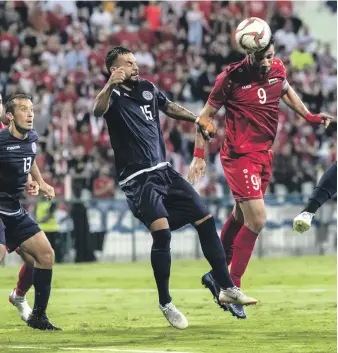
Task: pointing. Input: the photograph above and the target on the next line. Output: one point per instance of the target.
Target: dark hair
(10, 104)
(113, 55)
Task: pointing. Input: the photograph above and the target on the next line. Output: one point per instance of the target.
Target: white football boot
(21, 304)
(174, 316)
(302, 223)
(235, 296)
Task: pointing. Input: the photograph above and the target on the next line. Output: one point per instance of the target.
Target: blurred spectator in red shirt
(153, 15)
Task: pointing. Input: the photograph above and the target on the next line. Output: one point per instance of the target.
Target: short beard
(131, 83)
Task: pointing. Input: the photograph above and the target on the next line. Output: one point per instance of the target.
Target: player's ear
(8, 118)
(112, 69)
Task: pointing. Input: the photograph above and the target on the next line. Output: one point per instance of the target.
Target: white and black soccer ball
(253, 34)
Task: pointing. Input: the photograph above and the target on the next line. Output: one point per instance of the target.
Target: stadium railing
(107, 229)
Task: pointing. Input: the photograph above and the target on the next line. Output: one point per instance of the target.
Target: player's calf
(213, 251)
(39, 247)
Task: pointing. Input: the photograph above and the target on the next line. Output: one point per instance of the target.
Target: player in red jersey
(250, 91)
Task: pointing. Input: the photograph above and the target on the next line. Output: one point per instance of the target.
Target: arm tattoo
(177, 112)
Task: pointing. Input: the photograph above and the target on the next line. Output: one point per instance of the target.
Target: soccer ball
(253, 34)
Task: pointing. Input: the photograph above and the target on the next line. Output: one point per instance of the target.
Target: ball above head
(253, 34)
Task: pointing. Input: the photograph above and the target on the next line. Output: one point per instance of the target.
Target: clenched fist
(47, 190)
(117, 76)
(208, 125)
(32, 188)
(326, 119)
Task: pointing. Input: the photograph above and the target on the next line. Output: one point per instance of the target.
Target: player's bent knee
(200, 221)
(161, 240)
(159, 224)
(256, 224)
(46, 258)
(28, 259)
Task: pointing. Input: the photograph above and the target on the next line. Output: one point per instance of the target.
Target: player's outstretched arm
(291, 99)
(198, 165)
(101, 104)
(176, 111)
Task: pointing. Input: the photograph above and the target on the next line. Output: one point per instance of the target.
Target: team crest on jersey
(34, 147)
(147, 95)
(273, 80)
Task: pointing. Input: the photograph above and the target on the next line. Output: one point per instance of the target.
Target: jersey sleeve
(217, 95)
(161, 98)
(33, 136)
(282, 71)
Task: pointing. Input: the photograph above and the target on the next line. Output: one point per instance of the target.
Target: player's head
(19, 111)
(263, 58)
(120, 56)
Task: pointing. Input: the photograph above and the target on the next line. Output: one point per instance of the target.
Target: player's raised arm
(176, 111)
(291, 99)
(198, 165)
(101, 104)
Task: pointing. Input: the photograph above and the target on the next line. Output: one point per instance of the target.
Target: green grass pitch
(113, 308)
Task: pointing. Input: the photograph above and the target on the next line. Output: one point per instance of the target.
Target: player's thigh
(19, 228)
(27, 259)
(38, 246)
(3, 251)
(237, 212)
(145, 195)
(267, 162)
(254, 214)
(243, 175)
(2, 234)
(183, 203)
(328, 181)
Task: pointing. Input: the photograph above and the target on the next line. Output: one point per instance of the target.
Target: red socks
(228, 234)
(243, 248)
(25, 280)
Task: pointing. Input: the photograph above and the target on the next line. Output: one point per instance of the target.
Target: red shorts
(247, 174)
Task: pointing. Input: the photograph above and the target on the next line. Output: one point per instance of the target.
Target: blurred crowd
(55, 51)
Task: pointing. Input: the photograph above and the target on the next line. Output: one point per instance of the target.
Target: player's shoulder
(235, 71)
(4, 134)
(145, 84)
(32, 135)
(278, 66)
(232, 69)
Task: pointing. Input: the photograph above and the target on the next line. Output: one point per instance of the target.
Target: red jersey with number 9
(251, 102)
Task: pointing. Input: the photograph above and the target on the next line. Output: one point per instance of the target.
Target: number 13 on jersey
(27, 164)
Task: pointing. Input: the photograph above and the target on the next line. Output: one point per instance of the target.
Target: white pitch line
(94, 349)
(149, 290)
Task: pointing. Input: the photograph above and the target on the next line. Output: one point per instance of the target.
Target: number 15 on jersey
(147, 112)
